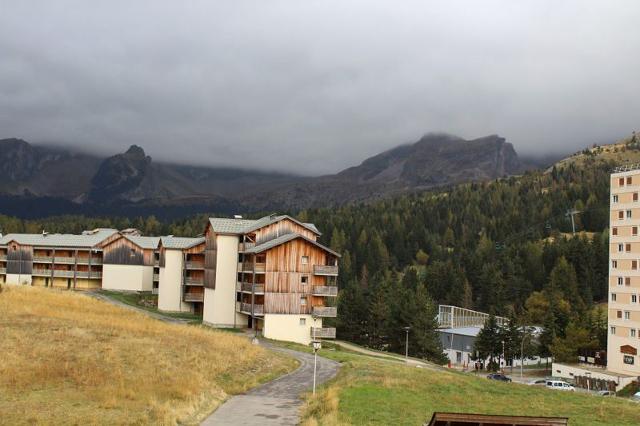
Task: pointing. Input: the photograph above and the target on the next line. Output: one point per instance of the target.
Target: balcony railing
(95, 275)
(155, 290)
(248, 288)
(194, 265)
(156, 277)
(3, 270)
(194, 297)
(323, 333)
(194, 281)
(64, 259)
(248, 267)
(3, 257)
(324, 290)
(330, 270)
(41, 272)
(245, 246)
(325, 311)
(85, 261)
(246, 308)
(63, 274)
(42, 259)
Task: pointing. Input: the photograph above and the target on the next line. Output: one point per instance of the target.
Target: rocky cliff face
(18, 160)
(120, 175)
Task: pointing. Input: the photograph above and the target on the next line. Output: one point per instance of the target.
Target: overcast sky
(315, 86)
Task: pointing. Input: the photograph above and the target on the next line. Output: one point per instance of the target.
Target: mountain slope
(131, 183)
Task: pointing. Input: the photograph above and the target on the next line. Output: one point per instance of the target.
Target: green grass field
(136, 299)
(370, 391)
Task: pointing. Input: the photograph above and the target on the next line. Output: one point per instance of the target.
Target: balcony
(194, 265)
(245, 308)
(245, 246)
(194, 281)
(155, 290)
(64, 259)
(249, 288)
(85, 261)
(3, 270)
(41, 272)
(63, 274)
(95, 276)
(156, 277)
(326, 270)
(324, 290)
(42, 259)
(3, 257)
(323, 333)
(248, 267)
(193, 297)
(325, 311)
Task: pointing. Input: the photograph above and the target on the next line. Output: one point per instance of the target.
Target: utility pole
(571, 213)
(524, 336)
(316, 345)
(503, 359)
(406, 343)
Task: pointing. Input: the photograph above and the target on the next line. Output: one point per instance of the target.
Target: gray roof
(87, 239)
(243, 226)
(462, 331)
(144, 242)
(180, 242)
(284, 239)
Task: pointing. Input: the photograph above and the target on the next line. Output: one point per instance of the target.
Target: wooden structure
(467, 419)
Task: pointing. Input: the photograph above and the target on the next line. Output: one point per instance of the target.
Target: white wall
(18, 279)
(170, 283)
(127, 277)
(570, 371)
(220, 304)
(287, 327)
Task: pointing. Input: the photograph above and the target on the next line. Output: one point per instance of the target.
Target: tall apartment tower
(624, 276)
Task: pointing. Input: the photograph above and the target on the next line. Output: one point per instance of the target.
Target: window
(635, 196)
(627, 315)
(634, 265)
(632, 332)
(621, 182)
(613, 330)
(303, 301)
(614, 231)
(618, 314)
(629, 180)
(613, 297)
(615, 198)
(634, 231)
(627, 281)
(629, 214)
(303, 321)
(614, 264)
(634, 298)
(305, 260)
(304, 279)
(628, 248)
(621, 215)
(620, 248)
(620, 281)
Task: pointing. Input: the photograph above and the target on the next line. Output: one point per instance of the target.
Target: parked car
(538, 382)
(636, 397)
(606, 393)
(560, 385)
(499, 377)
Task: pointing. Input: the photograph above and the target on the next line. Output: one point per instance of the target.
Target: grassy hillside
(70, 359)
(620, 152)
(368, 391)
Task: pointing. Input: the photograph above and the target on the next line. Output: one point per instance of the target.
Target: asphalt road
(277, 402)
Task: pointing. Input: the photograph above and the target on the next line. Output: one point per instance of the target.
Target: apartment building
(271, 275)
(56, 260)
(624, 275)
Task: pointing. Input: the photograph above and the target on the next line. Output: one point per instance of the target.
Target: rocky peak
(18, 159)
(120, 174)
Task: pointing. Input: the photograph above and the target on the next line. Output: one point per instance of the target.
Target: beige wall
(571, 371)
(18, 279)
(127, 277)
(287, 327)
(220, 304)
(170, 283)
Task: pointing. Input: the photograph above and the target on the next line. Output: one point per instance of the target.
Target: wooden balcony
(245, 308)
(66, 260)
(193, 297)
(323, 333)
(3, 257)
(325, 311)
(194, 265)
(326, 270)
(155, 290)
(85, 261)
(324, 290)
(37, 272)
(156, 277)
(194, 281)
(245, 246)
(3, 270)
(63, 274)
(250, 288)
(95, 275)
(260, 268)
(42, 259)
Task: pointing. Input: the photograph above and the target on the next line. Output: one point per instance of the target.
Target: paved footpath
(277, 402)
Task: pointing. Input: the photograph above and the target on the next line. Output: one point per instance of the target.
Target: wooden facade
(210, 258)
(123, 251)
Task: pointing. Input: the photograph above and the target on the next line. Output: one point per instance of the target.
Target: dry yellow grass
(69, 359)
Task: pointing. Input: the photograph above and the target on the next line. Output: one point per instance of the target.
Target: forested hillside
(503, 247)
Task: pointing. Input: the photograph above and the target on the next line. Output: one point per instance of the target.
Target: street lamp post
(406, 342)
(316, 346)
(503, 360)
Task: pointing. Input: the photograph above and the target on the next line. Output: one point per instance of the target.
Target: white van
(560, 385)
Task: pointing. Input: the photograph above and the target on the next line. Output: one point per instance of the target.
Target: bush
(630, 389)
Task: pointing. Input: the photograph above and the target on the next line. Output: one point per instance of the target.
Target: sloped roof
(60, 240)
(244, 226)
(181, 242)
(285, 239)
(150, 243)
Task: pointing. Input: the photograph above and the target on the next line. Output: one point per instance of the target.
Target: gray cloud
(315, 86)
